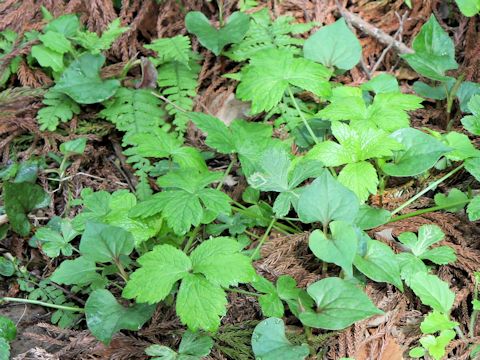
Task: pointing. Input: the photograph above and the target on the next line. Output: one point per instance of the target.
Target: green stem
(264, 237)
(450, 98)
(473, 317)
(41, 303)
(121, 269)
(192, 237)
(309, 129)
(427, 210)
(240, 291)
(229, 168)
(283, 228)
(427, 189)
(220, 12)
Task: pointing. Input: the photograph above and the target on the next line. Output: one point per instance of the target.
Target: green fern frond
(176, 48)
(178, 83)
(267, 34)
(60, 108)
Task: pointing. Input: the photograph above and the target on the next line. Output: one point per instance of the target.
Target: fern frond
(176, 48)
(267, 34)
(60, 108)
(178, 83)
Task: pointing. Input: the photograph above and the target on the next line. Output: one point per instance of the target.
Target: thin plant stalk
(309, 129)
(264, 237)
(41, 303)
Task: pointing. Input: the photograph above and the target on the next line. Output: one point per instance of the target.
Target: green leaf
(432, 292)
(176, 48)
(4, 349)
(435, 322)
(80, 271)
(95, 44)
(440, 255)
(473, 209)
(436, 345)
(473, 167)
(56, 42)
(271, 305)
(462, 147)
(81, 81)
(469, 7)
(334, 45)
(472, 122)
(270, 73)
(60, 108)
(431, 92)
(73, 147)
(19, 199)
(160, 269)
(53, 243)
(213, 256)
(339, 304)
(420, 153)
(416, 352)
(48, 58)
(427, 236)
(215, 39)
(194, 344)
(410, 265)
(369, 217)
(162, 352)
(200, 304)
(361, 178)
(325, 199)
(6, 267)
(105, 243)
(8, 330)
(105, 316)
(434, 52)
(66, 25)
(379, 263)
(270, 343)
(382, 83)
(339, 249)
(454, 197)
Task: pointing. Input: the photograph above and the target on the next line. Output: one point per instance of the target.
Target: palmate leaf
(361, 178)
(269, 74)
(432, 291)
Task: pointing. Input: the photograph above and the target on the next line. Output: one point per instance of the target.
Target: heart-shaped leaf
(215, 39)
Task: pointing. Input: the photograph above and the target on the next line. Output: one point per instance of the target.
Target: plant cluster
(188, 243)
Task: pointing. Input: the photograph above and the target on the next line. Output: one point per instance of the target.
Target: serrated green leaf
(427, 236)
(160, 268)
(56, 42)
(270, 343)
(95, 44)
(462, 148)
(216, 39)
(440, 255)
(81, 81)
(105, 316)
(421, 152)
(194, 344)
(435, 322)
(382, 83)
(432, 291)
(473, 167)
(379, 264)
(325, 199)
(334, 45)
(361, 178)
(213, 256)
(175, 48)
(200, 304)
(434, 51)
(339, 249)
(60, 108)
(339, 304)
(409, 266)
(46, 57)
(454, 197)
(436, 345)
(271, 72)
(271, 305)
(473, 209)
(66, 24)
(162, 352)
(8, 330)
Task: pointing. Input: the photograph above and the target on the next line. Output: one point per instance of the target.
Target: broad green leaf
(53, 243)
(339, 249)
(105, 316)
(80, 271)
(338, 305)
(73, 147)
(160, 269)
(334, 45)
(270, 302)
(200, 304)
(8, 330)
(440, 255)
(473, 167)
(435, 322)
(369, 217)
(325, 199)
(56, 42)
(161, 352)
(46, 57)
(434, 51)
(270, 73)
(436, 345)
(215, 39)
(6, 267)
(466, 91)
(361, 178)
(416, 352)
(472, 122)
(431, 92)
(66, 25)
(473, 209)
(213, 256)
(219, 136)
(456, 198)
(194, 344)
(433, 292)
(182, 211)
(410, 265)
(105, 243)
(175, 48)
(427, 236)
(19, 199)
(379, 264)
(81, 81)
(421, 152)
(462, 147)
(383, 83)
(469, 7)
(270, 343)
